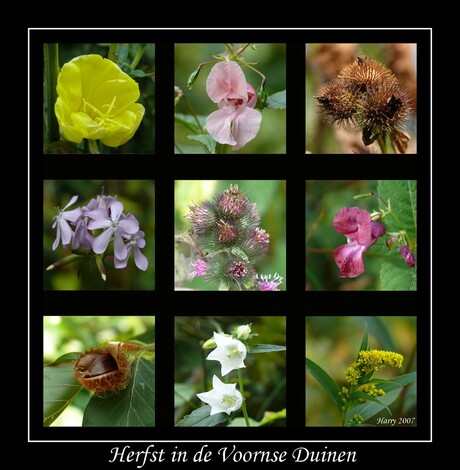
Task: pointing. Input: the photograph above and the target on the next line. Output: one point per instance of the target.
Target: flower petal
(349, 258)
(246, 125)
(226, 80)
(119, 247)
(115, 209)
(58, 236)
(66, 231)
(140, 259)
(72, 201)
(128, 225)
(122, 263)
(219, 126)
(101, 242)
(128, 123)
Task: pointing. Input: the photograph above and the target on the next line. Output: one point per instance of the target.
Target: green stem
(92, 146)
(221, 149)
(51, 56)
(113, 52)
(192, 110)
(138, 56)
(243, 406)
(264, 78)
(382, 143)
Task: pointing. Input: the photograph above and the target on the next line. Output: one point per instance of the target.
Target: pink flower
(200, 268)
(236, 122)
(361, 233)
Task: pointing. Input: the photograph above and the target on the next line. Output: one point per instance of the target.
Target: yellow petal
(129, 122)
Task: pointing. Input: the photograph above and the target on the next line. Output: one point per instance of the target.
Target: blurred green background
(137, 196)
(270, 197)
(144, 138)
(333, 344)
(272, 57)
(324, 198)
(66, 334)
(324, 63)
(264, 375)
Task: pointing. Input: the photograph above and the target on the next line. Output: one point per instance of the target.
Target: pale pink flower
(236, 122)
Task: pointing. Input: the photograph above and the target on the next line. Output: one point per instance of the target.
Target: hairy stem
(112, 55)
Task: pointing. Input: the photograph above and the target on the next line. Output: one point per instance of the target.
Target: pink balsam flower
(236, 122)
(361, 233)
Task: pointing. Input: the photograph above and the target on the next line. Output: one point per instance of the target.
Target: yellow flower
(371, 361)
(97, 101)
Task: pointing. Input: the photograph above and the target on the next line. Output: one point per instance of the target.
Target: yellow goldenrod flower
(371, 361)
(97, 101)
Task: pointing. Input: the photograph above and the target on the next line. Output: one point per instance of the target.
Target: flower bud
(243, 332)
(210, 344)
(391, 241)
(193, 76)
(262, 96)
(362, 196)
(407, 255)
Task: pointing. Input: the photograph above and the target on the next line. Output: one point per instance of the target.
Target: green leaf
(326, 381)
(380, 331)
(189, 121)
(206, 140)
(265, 348)
(271, 416)
(277, 100)
(60, 387)
(396, 275)
(240, 254)
(137, 73)
(392, 389)
(355, 396)
(201, 417)
(365, 342)
(133, 406)
(402, 195)
(240, 422)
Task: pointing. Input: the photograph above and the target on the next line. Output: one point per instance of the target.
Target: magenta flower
(407, 255)
(267, 283)
(361, 233)
(200, 268)
(116, 224)
(237, 269)
(135, 243)
(63, 230)
(236, 122)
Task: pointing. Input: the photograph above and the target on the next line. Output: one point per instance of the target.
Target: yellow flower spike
(97, 101)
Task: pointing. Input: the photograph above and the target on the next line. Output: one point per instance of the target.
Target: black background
(164, 303)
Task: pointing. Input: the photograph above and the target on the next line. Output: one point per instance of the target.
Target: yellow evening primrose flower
(97, 101)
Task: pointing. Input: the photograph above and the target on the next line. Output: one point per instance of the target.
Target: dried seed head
(384, 109)
(365, 73)
(103, 370)
(337, 103)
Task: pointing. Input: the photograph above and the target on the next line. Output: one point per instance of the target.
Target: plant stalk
(51, 56)
(243, 406)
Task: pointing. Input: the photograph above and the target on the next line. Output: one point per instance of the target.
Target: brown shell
(103, 370)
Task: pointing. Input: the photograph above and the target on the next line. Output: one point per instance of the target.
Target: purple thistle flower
(200, 268)
(261, 237)
(237, 269)
(116, 224)
(268, 283)
(407, 255)
(232, 200)
(135, 243)
(227, 232)
(63, 230)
